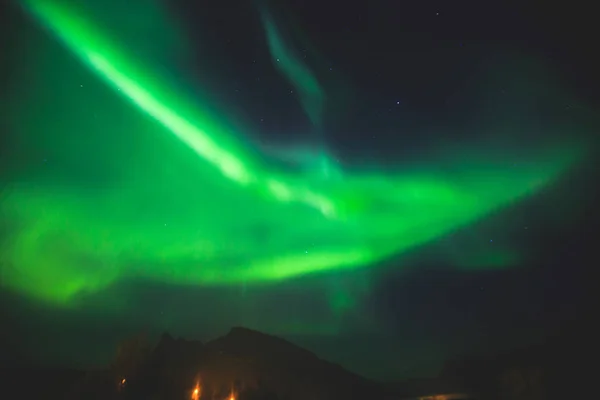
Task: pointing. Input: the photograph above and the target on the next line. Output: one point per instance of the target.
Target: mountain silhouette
(245, 364)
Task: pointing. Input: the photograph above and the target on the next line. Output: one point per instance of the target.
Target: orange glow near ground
(196, 392)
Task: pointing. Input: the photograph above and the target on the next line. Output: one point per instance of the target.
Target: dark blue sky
(433, 73)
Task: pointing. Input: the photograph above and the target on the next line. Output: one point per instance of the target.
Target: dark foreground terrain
(246, 364)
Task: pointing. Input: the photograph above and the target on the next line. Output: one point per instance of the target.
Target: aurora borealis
(139, 176)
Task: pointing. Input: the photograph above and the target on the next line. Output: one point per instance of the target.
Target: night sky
(387, 184)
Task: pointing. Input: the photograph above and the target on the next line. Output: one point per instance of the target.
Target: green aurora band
(224, 216)
(311, 94)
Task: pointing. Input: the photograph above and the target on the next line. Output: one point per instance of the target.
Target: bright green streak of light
(234, 220)
(113, 66)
